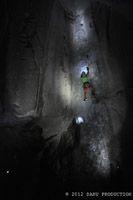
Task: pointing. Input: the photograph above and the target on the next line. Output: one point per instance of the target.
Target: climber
(86, 83)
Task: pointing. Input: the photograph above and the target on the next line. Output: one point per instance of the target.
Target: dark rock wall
(4, 23)
(37, 55)
(25, 55)
(113, 24)
(57, 67)
(44, 45)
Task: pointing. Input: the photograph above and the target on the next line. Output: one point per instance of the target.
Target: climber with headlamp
(86, 83)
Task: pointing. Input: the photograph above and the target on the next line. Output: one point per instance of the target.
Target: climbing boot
(85, 99)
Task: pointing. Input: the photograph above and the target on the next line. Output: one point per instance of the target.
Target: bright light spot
(67, 194)
(79, 120)
(7, 171)
(83, 69)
